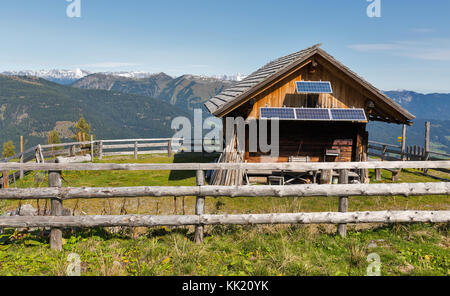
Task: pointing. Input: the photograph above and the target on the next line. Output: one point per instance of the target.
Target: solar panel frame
(312, 114)
(314, 87)
(348, 114)
(283, 113)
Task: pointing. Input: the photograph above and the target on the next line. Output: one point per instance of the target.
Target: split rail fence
(57, 194)
(94, 148)
(389, 152)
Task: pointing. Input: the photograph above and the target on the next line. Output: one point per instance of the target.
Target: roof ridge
(311, 48)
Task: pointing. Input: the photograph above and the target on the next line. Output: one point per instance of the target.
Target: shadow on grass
(184, 157)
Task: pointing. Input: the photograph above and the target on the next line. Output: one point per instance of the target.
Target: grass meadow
(299, 250)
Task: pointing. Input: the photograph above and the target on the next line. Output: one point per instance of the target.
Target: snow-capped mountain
(68, 77)
(55, 75)
(236, 77)
(133, 74)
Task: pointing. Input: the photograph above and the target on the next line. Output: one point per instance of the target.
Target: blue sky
(408, 47)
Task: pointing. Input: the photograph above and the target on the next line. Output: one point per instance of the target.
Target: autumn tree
(54, 138)
(82, 127)
(8, 149)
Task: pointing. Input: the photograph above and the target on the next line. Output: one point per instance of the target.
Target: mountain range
(187, 92)
(67, 77)
(32, 107)
(126, 105)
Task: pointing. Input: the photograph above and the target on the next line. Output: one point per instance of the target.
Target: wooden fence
(152, 146)
(57, 195)
(40, 153)
(391, 152)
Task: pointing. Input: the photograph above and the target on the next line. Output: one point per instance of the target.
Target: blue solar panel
(282, 113)
(314, 87)
(349, 114)
(312, 114)
(323, 114)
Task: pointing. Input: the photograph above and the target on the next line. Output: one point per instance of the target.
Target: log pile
(229, 177)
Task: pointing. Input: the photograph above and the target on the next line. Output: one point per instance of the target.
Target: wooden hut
(322, 107)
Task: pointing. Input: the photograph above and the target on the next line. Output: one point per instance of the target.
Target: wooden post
(378, 174)
(199, 208)
(55, 180)
(100, 150)
(383, 153)
(427, 136)
(5, 179)
(403, 141)
(326, 177)
(92, 148)
(343, 202)
(169, 147)
(21, 174)
(203, 147)
(427, 142)
(84, 145)
(136, 150)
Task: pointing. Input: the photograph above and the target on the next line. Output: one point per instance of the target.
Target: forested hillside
(33, 107)
(187, 91)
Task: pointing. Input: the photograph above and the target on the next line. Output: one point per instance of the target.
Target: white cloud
(108, 65)
(432, 50)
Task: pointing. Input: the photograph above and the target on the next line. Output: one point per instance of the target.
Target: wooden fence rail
(67, 193)
(409, 153)
(243, 219)
(227, 166)
(94, 148)
(58, 194)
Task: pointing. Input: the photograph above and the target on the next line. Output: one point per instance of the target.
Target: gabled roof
(242, 91)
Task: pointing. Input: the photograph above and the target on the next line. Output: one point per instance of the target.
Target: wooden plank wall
(284, 93)
(312, 139)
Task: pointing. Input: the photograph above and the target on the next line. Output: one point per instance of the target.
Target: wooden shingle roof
(215, 104)
(243, 90)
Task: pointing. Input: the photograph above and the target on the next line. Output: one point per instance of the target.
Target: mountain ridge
(31, 107)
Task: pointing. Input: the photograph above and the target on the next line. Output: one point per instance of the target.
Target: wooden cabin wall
(313, 138)
(284, 93)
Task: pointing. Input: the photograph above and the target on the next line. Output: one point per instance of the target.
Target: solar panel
(314, 87)
(312, 114)
(323, 114)
(281, 113)
(348, 114)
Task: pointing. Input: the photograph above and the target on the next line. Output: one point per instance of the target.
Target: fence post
(92, 148)
(100, 150)
(427, 142)
(378, 174)
(21, 157)
(403, 141)
(135, 150)
(55, 180)
(72, 150)
(5, 179)
(199, 208)
(169, 147)
(343, 202)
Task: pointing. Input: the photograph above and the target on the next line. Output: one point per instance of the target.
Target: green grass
(416, 249)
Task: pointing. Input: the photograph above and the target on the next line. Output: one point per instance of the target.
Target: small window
(312, 100)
